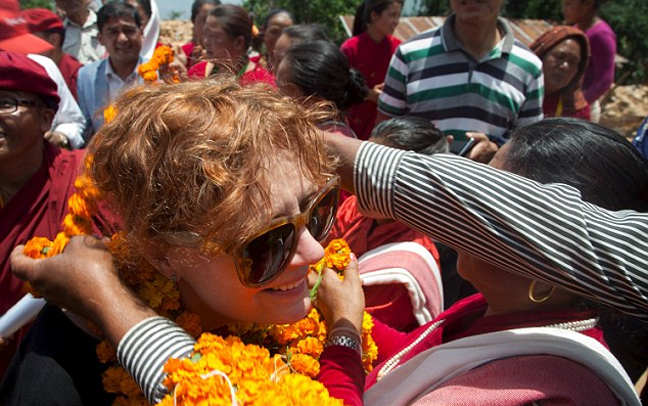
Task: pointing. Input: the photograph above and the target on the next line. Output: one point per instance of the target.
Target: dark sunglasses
(263, 256)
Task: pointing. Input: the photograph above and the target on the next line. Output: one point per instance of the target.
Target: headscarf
(572, 95)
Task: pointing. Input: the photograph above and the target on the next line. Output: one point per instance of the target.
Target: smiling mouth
(285, 288)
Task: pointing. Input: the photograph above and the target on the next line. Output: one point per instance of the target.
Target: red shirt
(258, 74)
(37, 209)
(550, 108)
(372, 60)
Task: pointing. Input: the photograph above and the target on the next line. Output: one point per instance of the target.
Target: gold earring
(543, 299)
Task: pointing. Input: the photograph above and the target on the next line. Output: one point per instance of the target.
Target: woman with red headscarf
(565, 53)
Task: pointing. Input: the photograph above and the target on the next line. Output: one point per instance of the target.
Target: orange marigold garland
(219, 365)
(162, 57)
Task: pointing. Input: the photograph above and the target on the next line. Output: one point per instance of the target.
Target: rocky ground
(623, 109)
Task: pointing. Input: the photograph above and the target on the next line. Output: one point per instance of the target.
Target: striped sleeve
(541, 231)
(145, 349)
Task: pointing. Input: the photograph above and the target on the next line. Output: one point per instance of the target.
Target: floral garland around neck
(162, 57)
(277, 369)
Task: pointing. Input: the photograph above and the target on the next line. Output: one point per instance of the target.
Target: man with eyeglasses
(68, 126)
(36, 177)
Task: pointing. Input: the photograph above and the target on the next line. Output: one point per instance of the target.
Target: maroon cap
(20, 74)
(14, 34)
(41, 19)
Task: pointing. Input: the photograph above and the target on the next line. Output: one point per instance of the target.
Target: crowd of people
(499, 234)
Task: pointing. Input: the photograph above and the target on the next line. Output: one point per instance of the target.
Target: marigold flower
(190, 322)
(106, 352)
(305, 364)
(37, 247)
(163, 55)
(109, 113)
(112, 379)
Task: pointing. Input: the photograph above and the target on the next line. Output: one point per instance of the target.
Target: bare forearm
(345, 149)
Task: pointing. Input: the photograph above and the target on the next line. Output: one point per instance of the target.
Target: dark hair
(306, 32)
(234, 20)
(320, 68)
(605, 167)
(117, 10)
(609, 172)
(146, 6)
(274, 12)
(197, 5)
(59, 31)
(363, 13)
(411, 133)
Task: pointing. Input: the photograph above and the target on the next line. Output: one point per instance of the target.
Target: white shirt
(116, 84)
(83, 42)
(69, 119)
(151, 32)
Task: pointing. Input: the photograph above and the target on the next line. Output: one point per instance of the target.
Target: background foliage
(37, 4)
(628, 19)
(325, 12)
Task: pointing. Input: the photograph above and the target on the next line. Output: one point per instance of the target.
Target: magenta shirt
(599, 75)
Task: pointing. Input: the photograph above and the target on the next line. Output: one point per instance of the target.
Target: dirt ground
(623, 109)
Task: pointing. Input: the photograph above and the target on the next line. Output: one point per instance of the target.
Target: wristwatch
(344, 341)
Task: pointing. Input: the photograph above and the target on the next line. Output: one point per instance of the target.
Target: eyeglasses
(10, 105)
(263, 256)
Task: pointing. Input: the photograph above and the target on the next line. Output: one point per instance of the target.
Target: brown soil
(623, 109)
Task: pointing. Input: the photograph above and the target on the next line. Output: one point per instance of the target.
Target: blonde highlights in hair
(197, 157)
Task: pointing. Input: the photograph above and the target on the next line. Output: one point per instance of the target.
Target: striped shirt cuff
(145, 349)
(374, 174)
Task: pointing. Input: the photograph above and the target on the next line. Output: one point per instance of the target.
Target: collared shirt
(116, 84)
(83, 42)
(432, 76)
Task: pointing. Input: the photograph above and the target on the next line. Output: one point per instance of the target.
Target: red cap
(41, 19)
(20, 74)
(14, 34)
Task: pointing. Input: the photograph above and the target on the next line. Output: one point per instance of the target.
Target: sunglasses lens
(323, 215)
(268, 253)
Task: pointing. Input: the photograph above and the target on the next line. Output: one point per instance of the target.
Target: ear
(100, 38)
(373, 16)
(162, 265)
(176, 261)
(46, 117)
(239, 44)
(56, 40)
(449, 139)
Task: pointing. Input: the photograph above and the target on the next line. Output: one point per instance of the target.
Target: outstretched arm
(85, 280)
(541, 231)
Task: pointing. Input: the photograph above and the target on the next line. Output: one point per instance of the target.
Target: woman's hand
(341, 301)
